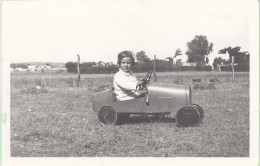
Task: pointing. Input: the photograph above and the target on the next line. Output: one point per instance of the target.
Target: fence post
(78, 71)
(233, 71)
(154, 70)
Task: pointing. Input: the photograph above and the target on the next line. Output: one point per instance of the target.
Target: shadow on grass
(147, 119)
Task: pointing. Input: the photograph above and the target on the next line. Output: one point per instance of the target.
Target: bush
(136, 69)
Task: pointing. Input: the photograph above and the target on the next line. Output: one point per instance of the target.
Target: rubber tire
(107, 115)
(187, 116)
(200, 110)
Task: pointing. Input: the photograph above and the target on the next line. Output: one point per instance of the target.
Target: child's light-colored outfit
(125, 85)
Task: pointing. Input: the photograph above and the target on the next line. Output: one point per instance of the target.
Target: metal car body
(159, 98)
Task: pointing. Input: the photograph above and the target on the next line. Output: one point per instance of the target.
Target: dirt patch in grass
(33, 90)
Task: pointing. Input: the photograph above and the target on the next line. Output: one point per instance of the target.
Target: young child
(125, 82)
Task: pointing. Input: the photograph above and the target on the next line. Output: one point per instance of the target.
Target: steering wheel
(147, 77)
(146, 80)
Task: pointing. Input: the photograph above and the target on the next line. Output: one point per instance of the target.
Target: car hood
(166, 88)
(170, 95)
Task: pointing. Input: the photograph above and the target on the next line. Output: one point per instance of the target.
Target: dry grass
(59, 121)
(94, 81)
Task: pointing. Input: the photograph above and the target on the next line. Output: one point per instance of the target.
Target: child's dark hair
(124, 54)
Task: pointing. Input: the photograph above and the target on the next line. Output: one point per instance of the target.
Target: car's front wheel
(187, 116)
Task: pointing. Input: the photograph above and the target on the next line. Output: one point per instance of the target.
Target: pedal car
(158, 98)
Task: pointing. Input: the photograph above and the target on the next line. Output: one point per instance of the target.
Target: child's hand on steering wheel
(141, 83)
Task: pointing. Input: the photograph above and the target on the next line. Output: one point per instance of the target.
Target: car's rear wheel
(107, 115)
(187, 116)
(200, 110)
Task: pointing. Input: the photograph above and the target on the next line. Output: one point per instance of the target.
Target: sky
(97, 30)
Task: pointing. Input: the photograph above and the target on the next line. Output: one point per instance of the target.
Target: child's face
(126, 64)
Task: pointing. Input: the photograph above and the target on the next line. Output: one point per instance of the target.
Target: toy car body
(159, 98)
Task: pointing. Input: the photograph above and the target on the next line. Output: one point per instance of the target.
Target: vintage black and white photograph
(114, 82)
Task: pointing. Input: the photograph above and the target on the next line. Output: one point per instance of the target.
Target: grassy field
(58, 121)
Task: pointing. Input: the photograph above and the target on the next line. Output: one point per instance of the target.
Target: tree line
(198, 51)
(138, 68)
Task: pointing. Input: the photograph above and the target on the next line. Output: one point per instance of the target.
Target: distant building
(179, 60)
(32, 67)
(48, 67)
(110, 63)
(188, 64)
(100, 63)
(43, 67)
(19, 69)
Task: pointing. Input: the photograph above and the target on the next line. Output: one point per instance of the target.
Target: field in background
(94, 81)
(56, 119)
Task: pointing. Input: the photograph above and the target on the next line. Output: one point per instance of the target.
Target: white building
(48, 67)
(178, 60)
(110, 63)
(189, 64)
(43, 67)
(19, 69)
(32, 67)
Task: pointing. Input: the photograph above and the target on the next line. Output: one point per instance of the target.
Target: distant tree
(198, 48)
(19, 65)
(13, 65)
(88, 64)
(147, 60)
(71, 66)
(169, 58)
(217, 61)
(239, 57)
(178, 52)
(162, 63)
(207, 60)
(142, 57)
(210, 48)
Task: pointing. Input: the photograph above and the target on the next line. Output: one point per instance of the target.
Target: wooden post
(233, 71)
(78, 71)
(154, 71)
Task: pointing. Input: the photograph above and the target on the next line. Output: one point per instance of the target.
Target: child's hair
(124, 54)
